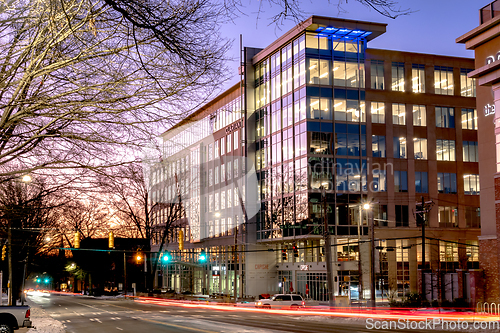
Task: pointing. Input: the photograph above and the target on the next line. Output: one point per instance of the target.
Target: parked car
(280, 301)
(14, 317)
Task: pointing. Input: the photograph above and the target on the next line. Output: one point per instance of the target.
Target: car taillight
(27, 314)
(303, 303)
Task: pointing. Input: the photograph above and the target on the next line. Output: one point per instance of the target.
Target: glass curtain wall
(311, 134)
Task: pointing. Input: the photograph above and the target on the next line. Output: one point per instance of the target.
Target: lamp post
(368, 209)
(328, 249)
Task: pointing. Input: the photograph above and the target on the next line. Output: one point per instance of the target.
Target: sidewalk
(42, 321)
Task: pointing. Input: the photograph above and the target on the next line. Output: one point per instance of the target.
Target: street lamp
(368, 209)
(26, 179)
(328, 249)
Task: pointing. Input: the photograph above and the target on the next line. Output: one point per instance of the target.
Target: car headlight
(259, 303)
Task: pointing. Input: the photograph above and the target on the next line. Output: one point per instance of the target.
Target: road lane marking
(178, 326)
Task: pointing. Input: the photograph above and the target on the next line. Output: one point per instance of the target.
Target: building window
(378, 112)
(420, 148)
(377, 74)
(320, 108)
(398, 76)
(469, 119)
(471, 184)
(319, 72)
(445, 117)
(378, 146)
(447, 182)
(398, 114)
(470, 151)
(467, 85)
(418, 78)
(216, 174)
(472, 217)
(445, 150)
(421, 183)
(448, 217)
(400, 181)
(419, 115)
(236, 138)
(210, 152)
(402, 217)
(210, 177)
(379, 181)
(399, 147)
(228, 140)
(443, 80)
(348, 74)
(320, 143)
(349, 110)
(222, 145)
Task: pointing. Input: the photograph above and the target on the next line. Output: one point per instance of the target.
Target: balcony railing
(489, 11)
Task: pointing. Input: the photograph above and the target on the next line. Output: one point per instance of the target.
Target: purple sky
(432, 28)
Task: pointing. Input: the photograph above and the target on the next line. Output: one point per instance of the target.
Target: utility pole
(124, 274)
(9, 249)
(372, 260)
(328, 250)
(425, 207)
(235, 263)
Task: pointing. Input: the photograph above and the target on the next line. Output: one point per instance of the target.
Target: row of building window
(446, 182)
(443, 79)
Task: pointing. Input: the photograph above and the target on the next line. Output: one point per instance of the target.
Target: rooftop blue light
(343, 32)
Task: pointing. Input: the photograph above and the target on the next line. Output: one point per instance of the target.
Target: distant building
(319, 109)
(485, 41)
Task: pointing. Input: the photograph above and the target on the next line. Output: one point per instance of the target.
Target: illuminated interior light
(401, 114)
(323, 75)
(467, 176)
(401, 139)
(312, 67)
(362, 105)
(338, 104)
(415, 78)
(335, 69)
(314, 103)
(415, 139)
(357, 176)
(318, 149)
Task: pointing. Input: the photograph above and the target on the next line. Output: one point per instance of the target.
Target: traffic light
(203, 256)
(76, 240)
(295, 251)
(166, 257)
(284, 255)
(4, 252)
(46, 280)
(111, 242)
(138, 256)
(181, 239)
(38, 280)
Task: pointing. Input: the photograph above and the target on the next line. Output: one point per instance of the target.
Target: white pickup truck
(14, 317)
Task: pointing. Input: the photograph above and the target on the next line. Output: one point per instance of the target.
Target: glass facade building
(322, 124)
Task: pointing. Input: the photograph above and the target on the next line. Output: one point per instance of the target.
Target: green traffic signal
(166, 257)
(38, 280)
(46, 280)
(203, 256)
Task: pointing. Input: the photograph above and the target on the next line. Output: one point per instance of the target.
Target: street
(82, 315)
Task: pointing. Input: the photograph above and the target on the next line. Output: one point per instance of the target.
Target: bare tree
(295, 10)
(28, 213)
(89, 217)
(81, 78)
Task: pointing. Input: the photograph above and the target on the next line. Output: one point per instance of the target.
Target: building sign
(489, 109)
(233, 127)
(261, 266)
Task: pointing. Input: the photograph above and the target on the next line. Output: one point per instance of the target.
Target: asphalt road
(82, 315)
